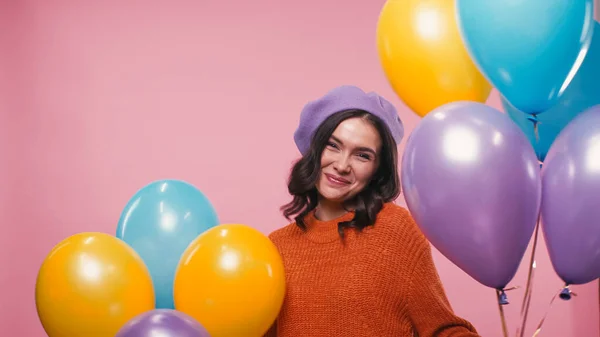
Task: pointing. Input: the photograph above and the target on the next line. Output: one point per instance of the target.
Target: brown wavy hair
(383, 187)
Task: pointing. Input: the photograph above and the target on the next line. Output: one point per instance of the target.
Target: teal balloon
(159, 222)
(527, 49)
(582, 93)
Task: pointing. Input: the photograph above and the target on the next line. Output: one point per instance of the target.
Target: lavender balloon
(570, 199)
(163, 323)
(472, 182)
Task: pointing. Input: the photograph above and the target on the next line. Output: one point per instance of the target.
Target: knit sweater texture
(380, 282)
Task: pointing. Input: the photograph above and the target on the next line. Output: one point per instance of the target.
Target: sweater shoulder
(290, 231)
(396, 226)
(396, 218)
(391, 211)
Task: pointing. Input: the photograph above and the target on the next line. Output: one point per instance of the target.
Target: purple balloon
(472, 182)
(163, 323)
(570, 206)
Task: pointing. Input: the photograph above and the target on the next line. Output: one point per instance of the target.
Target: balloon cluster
(470, 173)
(171, 270)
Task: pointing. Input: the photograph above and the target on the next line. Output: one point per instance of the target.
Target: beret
(342, 98)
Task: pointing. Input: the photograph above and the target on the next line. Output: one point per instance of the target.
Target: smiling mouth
(336, 180)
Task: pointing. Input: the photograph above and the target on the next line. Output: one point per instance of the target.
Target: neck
(329, 210)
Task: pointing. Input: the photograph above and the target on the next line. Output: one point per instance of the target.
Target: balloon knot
(502, 298)
(533, 118)
(565, 294)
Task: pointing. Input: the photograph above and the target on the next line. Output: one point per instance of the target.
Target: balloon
(89, 285)
(162, 323)
(527, 49)
(231, 279)
(423, 56)
(472, 182)
(582, 93)
(570, 212)
(159, 222)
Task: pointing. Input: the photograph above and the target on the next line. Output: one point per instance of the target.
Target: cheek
(365, 172)
(326, 159)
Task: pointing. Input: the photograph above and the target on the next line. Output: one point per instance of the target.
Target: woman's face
(349, 160)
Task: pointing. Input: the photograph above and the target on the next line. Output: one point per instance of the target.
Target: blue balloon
(159, 222)
(582, 93)
(528, 49)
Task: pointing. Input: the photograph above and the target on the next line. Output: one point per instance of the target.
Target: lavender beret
(344, 98)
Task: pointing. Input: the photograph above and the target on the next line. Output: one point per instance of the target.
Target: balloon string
(499, 295)
(565, 294)
(528, 287)
(535, 121)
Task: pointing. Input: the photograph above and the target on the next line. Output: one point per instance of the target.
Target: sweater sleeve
(429, 308)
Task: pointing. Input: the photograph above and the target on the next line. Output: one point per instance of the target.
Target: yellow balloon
(90, 285)
(231, 280)
(423, 56)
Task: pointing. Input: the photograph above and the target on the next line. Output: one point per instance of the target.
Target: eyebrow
(361, 148)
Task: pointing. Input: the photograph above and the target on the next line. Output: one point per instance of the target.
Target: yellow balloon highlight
(423, 56)
(90, 285)
(231, 280)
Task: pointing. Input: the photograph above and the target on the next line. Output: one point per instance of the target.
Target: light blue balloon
(527, 48)
(159, 222)
(582, 93)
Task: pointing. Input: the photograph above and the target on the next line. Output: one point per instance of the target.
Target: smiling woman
(356, 264)
(347, 154)
(349, 159)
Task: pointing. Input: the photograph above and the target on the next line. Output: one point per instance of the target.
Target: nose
(342, 164)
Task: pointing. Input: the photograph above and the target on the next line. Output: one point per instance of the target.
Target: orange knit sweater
(380, 283)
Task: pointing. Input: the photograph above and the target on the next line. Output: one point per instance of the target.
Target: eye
(332, 144)
(365, 156)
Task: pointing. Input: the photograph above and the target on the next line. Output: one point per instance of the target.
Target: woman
(356, 264)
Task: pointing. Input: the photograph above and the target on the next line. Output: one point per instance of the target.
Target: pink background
(99, 99)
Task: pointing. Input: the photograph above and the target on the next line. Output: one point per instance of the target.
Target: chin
(333, 195)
